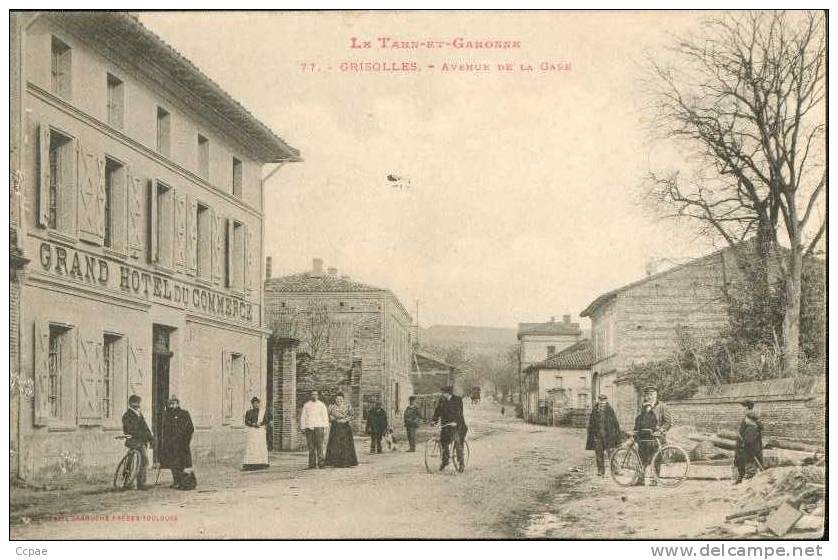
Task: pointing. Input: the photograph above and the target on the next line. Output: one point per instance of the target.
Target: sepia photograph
(419, 275)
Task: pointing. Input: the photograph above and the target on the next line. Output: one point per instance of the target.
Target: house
(139, 201)
(352, 337)
(560, 384)
(539, 341)
(429, 374)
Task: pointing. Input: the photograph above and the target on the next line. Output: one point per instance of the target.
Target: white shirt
(314, 415)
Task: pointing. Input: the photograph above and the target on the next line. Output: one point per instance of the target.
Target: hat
(649, 388)
(255, 399)
(748, 403)
(173, 398)
(134, 399)
(603, 397)
(447, 389)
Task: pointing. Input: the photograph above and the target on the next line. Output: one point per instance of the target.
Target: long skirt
(340, 451)
(256, 449)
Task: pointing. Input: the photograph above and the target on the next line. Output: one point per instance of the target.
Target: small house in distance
(559, 388)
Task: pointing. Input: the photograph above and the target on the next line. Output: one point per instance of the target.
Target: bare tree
(745, 100)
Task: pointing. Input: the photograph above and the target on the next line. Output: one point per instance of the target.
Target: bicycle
(433, 451)
(128, 467)
(670, 463)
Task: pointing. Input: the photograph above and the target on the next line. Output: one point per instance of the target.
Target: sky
(519, 191)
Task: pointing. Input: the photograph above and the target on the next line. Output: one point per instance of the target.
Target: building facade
(141, 215)
(560, 384)
(536, 343)
(352, 338)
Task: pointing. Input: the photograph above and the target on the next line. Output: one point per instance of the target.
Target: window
(203, 157)
(203, 242)
(235, 255)
(237, 178)
(57, 365)
(163, 130)
(115, 192)
(112, 372)
(60, 68)
(163, 243)
(116, 101)
(61, 182)
(551, 350)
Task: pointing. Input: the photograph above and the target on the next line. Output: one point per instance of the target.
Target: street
(514, 468)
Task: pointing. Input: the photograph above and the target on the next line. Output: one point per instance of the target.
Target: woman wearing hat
(256, 452)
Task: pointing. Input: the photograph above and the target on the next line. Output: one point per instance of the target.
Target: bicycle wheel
(432, 454)
(460, 466)
(127, 470)
(670, 465)
(626, 467)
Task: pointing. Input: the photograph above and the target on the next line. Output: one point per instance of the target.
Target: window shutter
(231, 243)
(226, 386)
(217, 247)
(153, 243)
(89, 381)
(41, 373)
(250, 389)
(68, 191)
(91, 197)
(43, 186)
(192, 237)
(135, 214)
(69, 375)
(249, 273)
(118, 396)
(180, 231)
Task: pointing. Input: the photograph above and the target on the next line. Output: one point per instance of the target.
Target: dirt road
(514, 469)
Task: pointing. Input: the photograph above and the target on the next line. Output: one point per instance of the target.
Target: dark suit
(412, 419)
(603, 433)
(134, 425)
(450, 411)
(175, 439)
(376, 427)
(748, 446)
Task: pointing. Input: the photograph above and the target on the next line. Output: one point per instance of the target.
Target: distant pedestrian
(376, 426)
(748, 455)
(340, 451)
(175, 438)
(503, 411)
(256, 421)
(603, 432)
(412, 419)
(314, 419)
(139, 436)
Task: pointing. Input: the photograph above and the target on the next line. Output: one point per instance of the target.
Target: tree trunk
(791, 318)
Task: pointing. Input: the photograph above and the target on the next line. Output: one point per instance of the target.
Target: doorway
(160, 367)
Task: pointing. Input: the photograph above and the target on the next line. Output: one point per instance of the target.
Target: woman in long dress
(340, 451)
(256, 451)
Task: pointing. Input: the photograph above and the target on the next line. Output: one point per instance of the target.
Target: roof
(426, 358)
(548, 328)
(578, 356)
(122, 33)
(308, 282)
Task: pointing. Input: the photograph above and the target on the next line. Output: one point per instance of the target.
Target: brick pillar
(284, 399)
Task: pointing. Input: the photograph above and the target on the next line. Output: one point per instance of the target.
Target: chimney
(267, 268)
(566, 319)
(333, 271)
(317, 267)
(553, 319)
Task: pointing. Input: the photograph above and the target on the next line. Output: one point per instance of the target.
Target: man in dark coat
(376, 426)
(749, 443)
(449, 410)
(412, 418)
(603, 432)
(140, 436)
(175, 437)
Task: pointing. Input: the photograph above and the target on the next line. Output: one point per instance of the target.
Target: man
(412, 418)
(450, 410)
(654, 419)
(314, 419)
(134, 426)
(376, 426)
(603, 432)
(175, 438)
(749, 443)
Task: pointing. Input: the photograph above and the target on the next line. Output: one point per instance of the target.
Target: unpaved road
(514, 469)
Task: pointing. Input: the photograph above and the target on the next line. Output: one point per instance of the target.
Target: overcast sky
(522, 201)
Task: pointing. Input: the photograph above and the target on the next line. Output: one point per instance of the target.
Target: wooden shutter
(69, 374)
(249, 260)
(153, 238)
(91, 196)
(41, 374)
(192, 237)
(89, 381)
(135, 370)
(231, 244)
(226, 386)
(180, 231)
(68, 189)
(136, 196)
(250, 388)
(118, 396)
(217, 248)
(43, 185)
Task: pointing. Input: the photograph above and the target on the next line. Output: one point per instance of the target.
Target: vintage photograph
(418, 274)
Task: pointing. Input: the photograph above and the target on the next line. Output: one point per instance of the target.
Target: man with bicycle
(449, 410)
(654, 420)
(139, 436)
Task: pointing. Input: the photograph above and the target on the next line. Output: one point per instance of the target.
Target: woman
(256, 451)
(340, 451)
